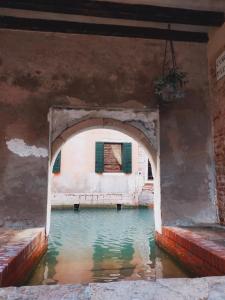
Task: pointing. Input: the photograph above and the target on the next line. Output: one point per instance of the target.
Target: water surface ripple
(102, 245)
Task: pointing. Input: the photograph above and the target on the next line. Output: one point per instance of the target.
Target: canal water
(103, 245)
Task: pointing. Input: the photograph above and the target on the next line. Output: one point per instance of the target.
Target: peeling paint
(19, 147)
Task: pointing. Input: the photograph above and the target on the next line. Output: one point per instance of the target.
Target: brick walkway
(19, 252)
(200, 249)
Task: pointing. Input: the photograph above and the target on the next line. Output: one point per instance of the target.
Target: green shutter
(57, 164)
(99, 157)
(127, 158)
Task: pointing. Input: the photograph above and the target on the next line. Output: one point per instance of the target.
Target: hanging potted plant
(169, 87)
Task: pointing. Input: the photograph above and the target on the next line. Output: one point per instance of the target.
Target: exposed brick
(110, 162)
(18, 258)
(202, 257)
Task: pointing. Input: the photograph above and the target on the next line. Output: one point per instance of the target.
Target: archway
(140, 125)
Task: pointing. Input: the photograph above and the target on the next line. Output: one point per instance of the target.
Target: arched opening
(104, 244)
(93, 123)
(132, 131)
(102, 167)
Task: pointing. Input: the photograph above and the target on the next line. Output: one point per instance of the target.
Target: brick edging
(201, 257)
(18, 259)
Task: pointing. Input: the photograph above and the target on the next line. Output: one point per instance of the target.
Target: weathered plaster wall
(215, 49)
(38, 70)
(187, 168)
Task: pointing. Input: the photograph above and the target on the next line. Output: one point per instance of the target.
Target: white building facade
(101, 167)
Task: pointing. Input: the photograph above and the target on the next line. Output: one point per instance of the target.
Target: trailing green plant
(169, 87)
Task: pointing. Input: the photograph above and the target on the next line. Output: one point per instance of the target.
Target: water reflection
(100, 245)
(112, 263)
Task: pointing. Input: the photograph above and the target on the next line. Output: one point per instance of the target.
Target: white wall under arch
(77, 174)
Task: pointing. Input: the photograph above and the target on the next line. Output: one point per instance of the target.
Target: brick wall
(20, 255)
(200, 256)
(219, 142)
(215, 49)
(111, 164)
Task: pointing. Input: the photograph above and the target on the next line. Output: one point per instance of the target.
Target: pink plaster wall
(78, 175)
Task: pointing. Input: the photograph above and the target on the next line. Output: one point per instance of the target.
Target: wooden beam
(120, 11)
(100, 29)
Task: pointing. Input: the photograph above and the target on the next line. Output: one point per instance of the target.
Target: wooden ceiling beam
(115, 10)
(45, 25)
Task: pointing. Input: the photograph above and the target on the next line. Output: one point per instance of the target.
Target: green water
(102, 245)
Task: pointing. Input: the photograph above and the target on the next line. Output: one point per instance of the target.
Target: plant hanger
(169, 87)
(172, 51)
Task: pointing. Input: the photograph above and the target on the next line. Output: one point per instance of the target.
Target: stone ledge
(208, 288)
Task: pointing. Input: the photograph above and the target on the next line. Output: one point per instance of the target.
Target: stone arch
(141, 125)
(108, 123)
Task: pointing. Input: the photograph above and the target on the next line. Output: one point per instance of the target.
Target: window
(57, 164)
(150, 175)
(113, 157)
